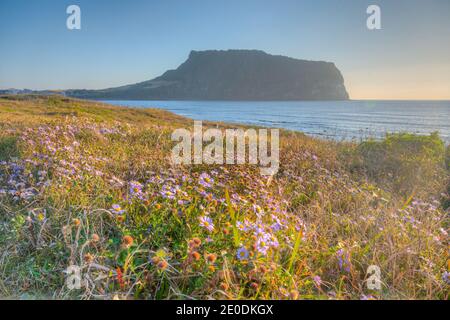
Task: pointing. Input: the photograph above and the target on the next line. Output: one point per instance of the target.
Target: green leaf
(298, 240)
(232, 213)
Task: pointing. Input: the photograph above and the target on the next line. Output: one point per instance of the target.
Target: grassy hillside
(91, 185)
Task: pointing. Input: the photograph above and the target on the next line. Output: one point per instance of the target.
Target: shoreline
(206, 111)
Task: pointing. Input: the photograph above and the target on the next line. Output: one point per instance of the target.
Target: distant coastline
(231, 75)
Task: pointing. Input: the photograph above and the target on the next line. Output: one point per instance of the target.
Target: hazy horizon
(124, 43)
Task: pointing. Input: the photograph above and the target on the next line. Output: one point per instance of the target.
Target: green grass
(311, 232)
(8, 148)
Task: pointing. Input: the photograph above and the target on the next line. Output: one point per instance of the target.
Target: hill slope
(90, 185)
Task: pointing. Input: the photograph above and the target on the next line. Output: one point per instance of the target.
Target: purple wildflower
(242, 253)
(317, 280)
(117, 209)
(343, 259)
(241, 226)
(262, 244)
(205, 180)
(258, 210)
(446, 277)
(273, 241)
(136, 190)
(207, 223)
(168, 192)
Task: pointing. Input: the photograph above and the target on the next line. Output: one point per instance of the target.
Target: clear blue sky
(124, 42)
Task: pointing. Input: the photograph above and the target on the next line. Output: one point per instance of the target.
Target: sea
(353, 120)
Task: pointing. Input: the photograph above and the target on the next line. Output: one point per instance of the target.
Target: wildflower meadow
(91, 207)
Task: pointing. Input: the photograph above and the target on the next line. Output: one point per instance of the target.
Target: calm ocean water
(339, 120)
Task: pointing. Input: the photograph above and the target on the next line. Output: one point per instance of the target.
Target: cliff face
(235, 75)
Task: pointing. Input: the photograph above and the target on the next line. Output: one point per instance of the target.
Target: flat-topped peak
(237, 74)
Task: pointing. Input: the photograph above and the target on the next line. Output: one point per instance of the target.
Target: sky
(123, 42)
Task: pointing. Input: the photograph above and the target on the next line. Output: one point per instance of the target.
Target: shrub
(404, 162)
(446, 196)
